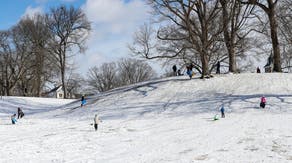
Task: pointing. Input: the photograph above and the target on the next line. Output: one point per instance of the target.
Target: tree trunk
(63, 69)
(228, 37)
(7, 88)
(63, 82)
(205, 66)
(232, 60)
(275, 42)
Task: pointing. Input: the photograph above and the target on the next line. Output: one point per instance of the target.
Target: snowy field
(168, 120)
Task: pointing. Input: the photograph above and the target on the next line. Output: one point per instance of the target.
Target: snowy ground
(168, 120)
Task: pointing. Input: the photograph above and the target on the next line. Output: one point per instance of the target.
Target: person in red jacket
(263, 102)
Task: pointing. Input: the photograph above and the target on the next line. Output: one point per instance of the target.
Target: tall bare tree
(14, 58)
(69, 27)
(40, 69)
(284, 15)
(269, 7)
(193, 26)
(234, 16)
(6, 53)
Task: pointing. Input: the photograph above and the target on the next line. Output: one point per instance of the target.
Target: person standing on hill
(190, 70)
(258, 70)
(218, 67)
(83, 101)
(263, 102)
(96, 122)
(174, 68)
(222, 110)
(20, 113)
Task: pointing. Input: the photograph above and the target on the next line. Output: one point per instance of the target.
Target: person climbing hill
(96, 122)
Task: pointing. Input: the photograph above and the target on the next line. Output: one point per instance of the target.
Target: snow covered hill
(167, 120)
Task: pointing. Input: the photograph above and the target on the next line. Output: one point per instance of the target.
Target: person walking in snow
(96, 122)
(190, 70)
(263, 102)
(83, 101)
(19, 113)
(222, 110)
(13, 119)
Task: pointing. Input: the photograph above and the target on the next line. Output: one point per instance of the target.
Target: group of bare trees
(121, 73)
(203, 32)
(37, 50)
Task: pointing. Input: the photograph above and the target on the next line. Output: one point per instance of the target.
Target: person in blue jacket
(222, 110)
(13, 119)
(83, 101)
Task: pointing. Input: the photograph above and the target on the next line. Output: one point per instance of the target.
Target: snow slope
(167, 120)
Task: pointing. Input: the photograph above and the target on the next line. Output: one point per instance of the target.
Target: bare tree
(113, 75)
(14, 59)
(285, 26)
(69, 28)
(133, 71)
(269, 7)
(6, 58)
(190, 28)
(74, 84)
(103, 78)
(39, 68)
(234, 16)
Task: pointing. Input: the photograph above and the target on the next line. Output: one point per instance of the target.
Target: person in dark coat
(222, 110)
(218, 67)
(174, 68)
(258, 70)
(20, 113)
(179, 72)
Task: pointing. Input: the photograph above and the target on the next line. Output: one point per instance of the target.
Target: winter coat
(189, 72)
(13, 119)
(20, 112)
(263, 100)
(222, 109)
